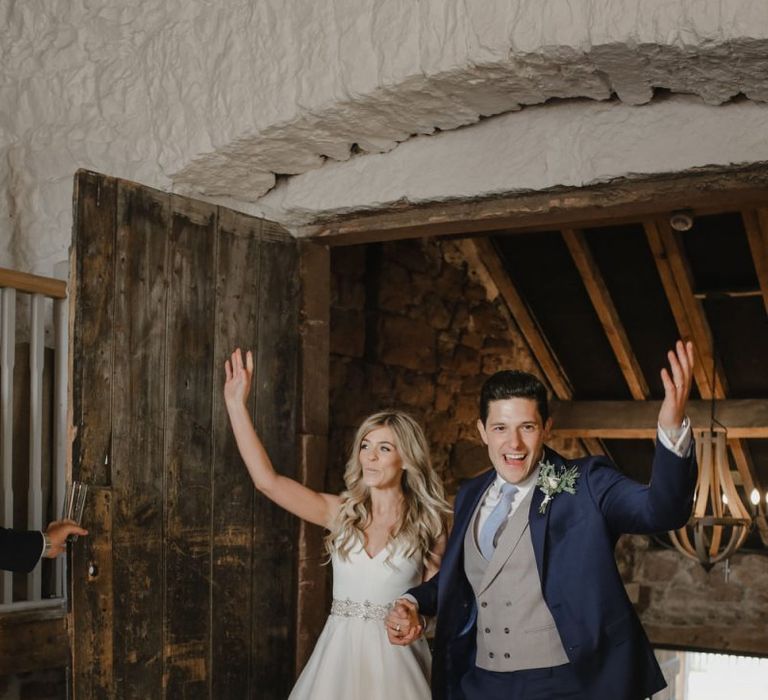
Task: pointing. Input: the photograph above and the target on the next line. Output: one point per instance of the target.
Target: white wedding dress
(353, 659)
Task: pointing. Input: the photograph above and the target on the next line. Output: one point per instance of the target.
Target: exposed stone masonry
(683, 605)
(413, 327)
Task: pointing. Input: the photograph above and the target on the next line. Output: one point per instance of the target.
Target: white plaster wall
(574, 143)
(215, 98)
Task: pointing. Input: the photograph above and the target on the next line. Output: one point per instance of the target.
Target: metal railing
(45, 295)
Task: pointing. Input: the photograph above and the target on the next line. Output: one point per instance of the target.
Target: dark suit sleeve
(426, 595)
(664, 504)
(20, 550)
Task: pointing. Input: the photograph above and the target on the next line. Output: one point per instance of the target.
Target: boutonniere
(551, 482)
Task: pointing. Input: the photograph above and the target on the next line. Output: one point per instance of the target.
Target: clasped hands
(404, 624)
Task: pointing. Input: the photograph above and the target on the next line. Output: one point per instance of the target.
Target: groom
(529, 602)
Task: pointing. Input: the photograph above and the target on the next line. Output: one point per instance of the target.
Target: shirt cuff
(408, 596)
(42, 545)
(678, 440)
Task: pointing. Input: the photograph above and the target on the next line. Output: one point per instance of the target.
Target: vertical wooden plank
(91, 331)
(91, 338)
(141, 281)
(238, 272)
(7, 361)
(311, 602)
(92, 602)
(189, 347)
(315, 278)
(274, 555)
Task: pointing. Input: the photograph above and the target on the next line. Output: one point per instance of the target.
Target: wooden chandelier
(720, 522)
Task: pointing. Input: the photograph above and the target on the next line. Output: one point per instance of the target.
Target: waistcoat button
(485, 605)
(491, 654)
(487, 630)
(506, 656)
(506, 630)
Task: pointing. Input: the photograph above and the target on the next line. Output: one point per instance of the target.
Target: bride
(386, 533)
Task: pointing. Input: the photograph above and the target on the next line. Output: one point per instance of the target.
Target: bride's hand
(403, 623)
(238, 378)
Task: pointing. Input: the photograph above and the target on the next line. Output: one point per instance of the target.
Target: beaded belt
(365, 610)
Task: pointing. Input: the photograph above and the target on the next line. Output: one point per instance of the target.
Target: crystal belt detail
(365, 610)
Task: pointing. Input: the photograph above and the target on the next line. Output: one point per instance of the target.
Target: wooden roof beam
(482, 253)
(622, 420)
(692, 323)
(606, 312)
(686, 309)
(756, 226)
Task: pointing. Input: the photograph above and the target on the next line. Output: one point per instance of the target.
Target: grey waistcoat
(515, 629)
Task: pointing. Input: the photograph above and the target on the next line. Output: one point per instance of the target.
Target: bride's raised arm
(309, 505)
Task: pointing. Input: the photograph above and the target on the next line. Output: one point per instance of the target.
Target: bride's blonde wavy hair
(425, 510)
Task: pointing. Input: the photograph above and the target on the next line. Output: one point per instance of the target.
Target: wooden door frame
(705, 191)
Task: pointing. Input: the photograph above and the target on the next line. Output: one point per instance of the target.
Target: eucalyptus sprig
(552, 481)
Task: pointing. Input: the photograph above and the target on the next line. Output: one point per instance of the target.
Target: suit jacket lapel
(540, 521)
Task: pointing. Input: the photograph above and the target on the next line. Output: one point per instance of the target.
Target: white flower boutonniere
(551, 482)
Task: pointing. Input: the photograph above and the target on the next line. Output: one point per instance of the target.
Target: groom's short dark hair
(513, 384)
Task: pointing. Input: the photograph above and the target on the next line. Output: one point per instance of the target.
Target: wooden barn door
(185, 587)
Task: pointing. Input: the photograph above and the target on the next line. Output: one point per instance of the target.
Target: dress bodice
(379, 579)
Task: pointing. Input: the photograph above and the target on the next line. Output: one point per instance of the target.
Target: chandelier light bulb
(725, 500)
(754, 497)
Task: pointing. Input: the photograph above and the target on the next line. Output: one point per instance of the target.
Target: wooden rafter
(687, 310)
(692, 323)
(756, 226)
(482, 252)
(606, 312)
(742, 418)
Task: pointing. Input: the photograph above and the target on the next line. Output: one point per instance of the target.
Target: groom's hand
(677, 386)
(403, 623)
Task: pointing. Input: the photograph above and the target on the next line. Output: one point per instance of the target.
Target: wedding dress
(353, 659)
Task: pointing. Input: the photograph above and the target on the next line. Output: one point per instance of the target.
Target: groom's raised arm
(666, 503)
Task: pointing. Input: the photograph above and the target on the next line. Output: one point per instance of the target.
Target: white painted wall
(214, 98)
(576, 143)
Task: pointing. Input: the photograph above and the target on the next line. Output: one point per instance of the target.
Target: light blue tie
(493, 527)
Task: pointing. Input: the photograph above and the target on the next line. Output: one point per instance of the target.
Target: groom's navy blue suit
(573, 542)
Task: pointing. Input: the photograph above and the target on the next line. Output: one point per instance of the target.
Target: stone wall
(682, 605)
(413, 327)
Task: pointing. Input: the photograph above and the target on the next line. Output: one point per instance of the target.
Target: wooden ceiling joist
(686, 308)
(756, 226)
(622, 420)
(482, 253)
(606, 312)
(692, 324)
